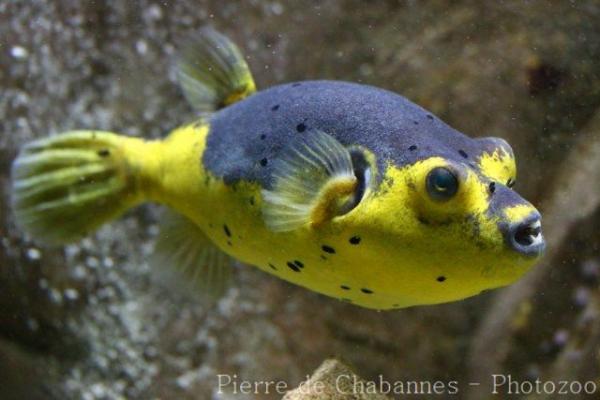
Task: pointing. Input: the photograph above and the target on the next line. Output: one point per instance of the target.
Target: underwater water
(93, 320)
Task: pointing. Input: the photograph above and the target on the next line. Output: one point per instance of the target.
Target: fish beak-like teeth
(536, 234)
(526, 236)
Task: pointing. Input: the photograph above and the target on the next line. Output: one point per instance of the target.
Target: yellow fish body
(345, 189)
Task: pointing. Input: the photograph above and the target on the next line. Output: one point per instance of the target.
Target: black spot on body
(272, 267)
(293, 267)
(463, 153)
(264, 162)
(263, 136)
(301, 127)
(104, 153)
(354, 240)
(328, 249)
(413, 147)
(366, 291)
(416, 122)
(345, 287)
(275, 107)
(298, 264)
(226, 230)
(492, 187)
(430, 117)
(441, 278)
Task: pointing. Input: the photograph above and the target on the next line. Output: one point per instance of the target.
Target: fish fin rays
(66, 186)
(314, 181)
(184, 248)
(212, 72)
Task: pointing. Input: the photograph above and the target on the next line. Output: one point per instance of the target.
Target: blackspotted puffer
(345, 189)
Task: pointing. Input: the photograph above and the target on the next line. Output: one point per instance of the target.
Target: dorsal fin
(212, 71)
(314, 182)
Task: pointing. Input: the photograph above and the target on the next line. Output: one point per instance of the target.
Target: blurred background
(92, 321)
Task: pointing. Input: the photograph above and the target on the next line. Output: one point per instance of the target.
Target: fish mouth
(525, 236)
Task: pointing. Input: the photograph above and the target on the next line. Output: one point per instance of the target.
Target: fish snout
(525, 236)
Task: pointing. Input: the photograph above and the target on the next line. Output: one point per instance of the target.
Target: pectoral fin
(314, 182)
(184, 247)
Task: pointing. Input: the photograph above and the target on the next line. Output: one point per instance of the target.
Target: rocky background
(92, 321)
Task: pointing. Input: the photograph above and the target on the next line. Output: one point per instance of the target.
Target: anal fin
(183, 246)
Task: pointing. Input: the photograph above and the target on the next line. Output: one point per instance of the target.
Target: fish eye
(442, 184)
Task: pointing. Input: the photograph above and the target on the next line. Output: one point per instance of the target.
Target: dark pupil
(441, 184)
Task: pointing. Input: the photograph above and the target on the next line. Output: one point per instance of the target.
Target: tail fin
(68, 185)
(212, 72)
